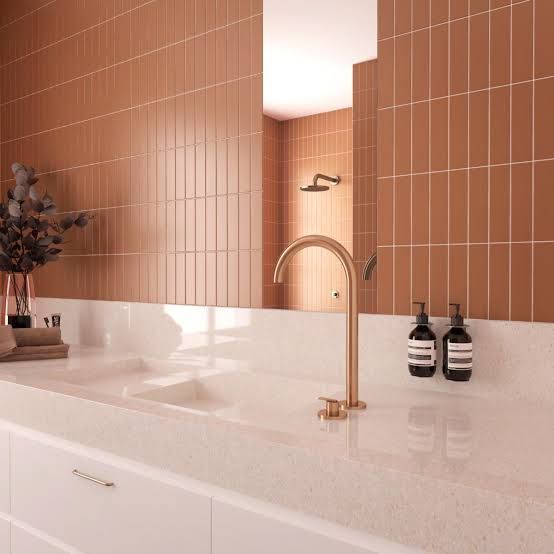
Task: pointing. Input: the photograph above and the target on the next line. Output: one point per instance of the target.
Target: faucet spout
(352, 401)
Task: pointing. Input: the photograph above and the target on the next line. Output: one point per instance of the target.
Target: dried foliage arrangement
(30, 233)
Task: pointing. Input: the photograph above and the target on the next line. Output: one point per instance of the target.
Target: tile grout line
(429, 135)
(204, 205)
(533, 93)
(430, 26)
(477, 243)
(155, 163)
(127, 12)
(394, 163)
(76, 34)
(173, 132)
(489, 168)
(219, 270)
(459, 169)
(131, 108)
(448, 142)
(150, 252)
(468, 182)
(510, 206)
(494, 87)
(156, 50)
(28, 14)
(130, 134)
(411, 36)
(411, 155)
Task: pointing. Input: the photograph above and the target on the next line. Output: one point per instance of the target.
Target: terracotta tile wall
(466, 157)
(148, 113)
(273, 212)
(365, 177)
(320, 143)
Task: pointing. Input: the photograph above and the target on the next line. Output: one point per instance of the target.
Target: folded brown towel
(38, 337)
(7, 340)
(27, 353)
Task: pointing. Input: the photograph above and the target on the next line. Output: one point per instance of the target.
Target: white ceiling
(309, 49)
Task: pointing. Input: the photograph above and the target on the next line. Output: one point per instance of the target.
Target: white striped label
(422, 352)
(460, 356)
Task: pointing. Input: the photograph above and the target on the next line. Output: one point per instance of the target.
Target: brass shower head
(319, 188)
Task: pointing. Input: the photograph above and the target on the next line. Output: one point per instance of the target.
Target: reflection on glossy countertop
(505, 447)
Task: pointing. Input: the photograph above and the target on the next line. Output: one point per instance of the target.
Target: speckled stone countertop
(443, 472)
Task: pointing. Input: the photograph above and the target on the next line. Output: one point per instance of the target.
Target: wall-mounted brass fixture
(314, 187)
(369, 266)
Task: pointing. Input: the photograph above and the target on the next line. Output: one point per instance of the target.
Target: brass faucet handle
(332, 409)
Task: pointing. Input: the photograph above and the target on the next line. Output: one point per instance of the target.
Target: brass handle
(332, 409)
(93, 479)
(328, 400)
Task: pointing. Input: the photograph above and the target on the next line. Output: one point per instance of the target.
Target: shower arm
(333, 180)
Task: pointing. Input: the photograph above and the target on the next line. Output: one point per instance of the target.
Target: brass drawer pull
(93, 479)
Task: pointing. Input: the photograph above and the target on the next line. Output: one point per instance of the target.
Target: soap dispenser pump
(457, 349)
(422, 346)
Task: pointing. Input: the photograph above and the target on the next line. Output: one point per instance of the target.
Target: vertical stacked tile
(365, 176)
(272, 214)
(465, 149)
(313, 144)
(148, 113)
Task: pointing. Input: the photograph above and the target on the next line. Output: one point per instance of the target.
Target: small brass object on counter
(333, 409)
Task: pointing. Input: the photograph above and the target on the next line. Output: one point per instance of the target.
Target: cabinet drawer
(26, 543)
(138, 514)
(240, 531)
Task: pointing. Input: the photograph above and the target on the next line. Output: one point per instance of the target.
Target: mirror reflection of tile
(341, 142)
(168, 153)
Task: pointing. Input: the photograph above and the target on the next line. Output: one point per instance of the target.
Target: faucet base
(361, 405)
(324, 416)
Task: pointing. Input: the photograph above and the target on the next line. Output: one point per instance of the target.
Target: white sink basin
(264, 400)
(238, 395)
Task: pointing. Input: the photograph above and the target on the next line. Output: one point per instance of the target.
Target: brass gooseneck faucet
(352, 402)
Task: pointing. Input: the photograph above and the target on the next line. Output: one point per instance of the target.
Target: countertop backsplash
(512, 360)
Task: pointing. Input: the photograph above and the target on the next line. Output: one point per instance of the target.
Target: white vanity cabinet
(120, 511)
(253, 528)
(241, 531)
(4, 536)
(4, 471)
(24, 542)
(61, 498)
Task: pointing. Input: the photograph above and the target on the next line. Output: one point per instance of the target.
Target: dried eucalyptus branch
(30, 234)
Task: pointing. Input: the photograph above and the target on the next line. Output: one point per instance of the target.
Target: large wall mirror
(320, 107)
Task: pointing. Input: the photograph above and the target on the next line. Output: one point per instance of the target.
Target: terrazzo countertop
(443, 472)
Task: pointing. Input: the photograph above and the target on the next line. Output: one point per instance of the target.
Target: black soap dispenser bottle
(457, 350)
(422, 346)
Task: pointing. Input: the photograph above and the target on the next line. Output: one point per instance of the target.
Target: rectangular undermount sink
(195, 394)
(265, 400)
